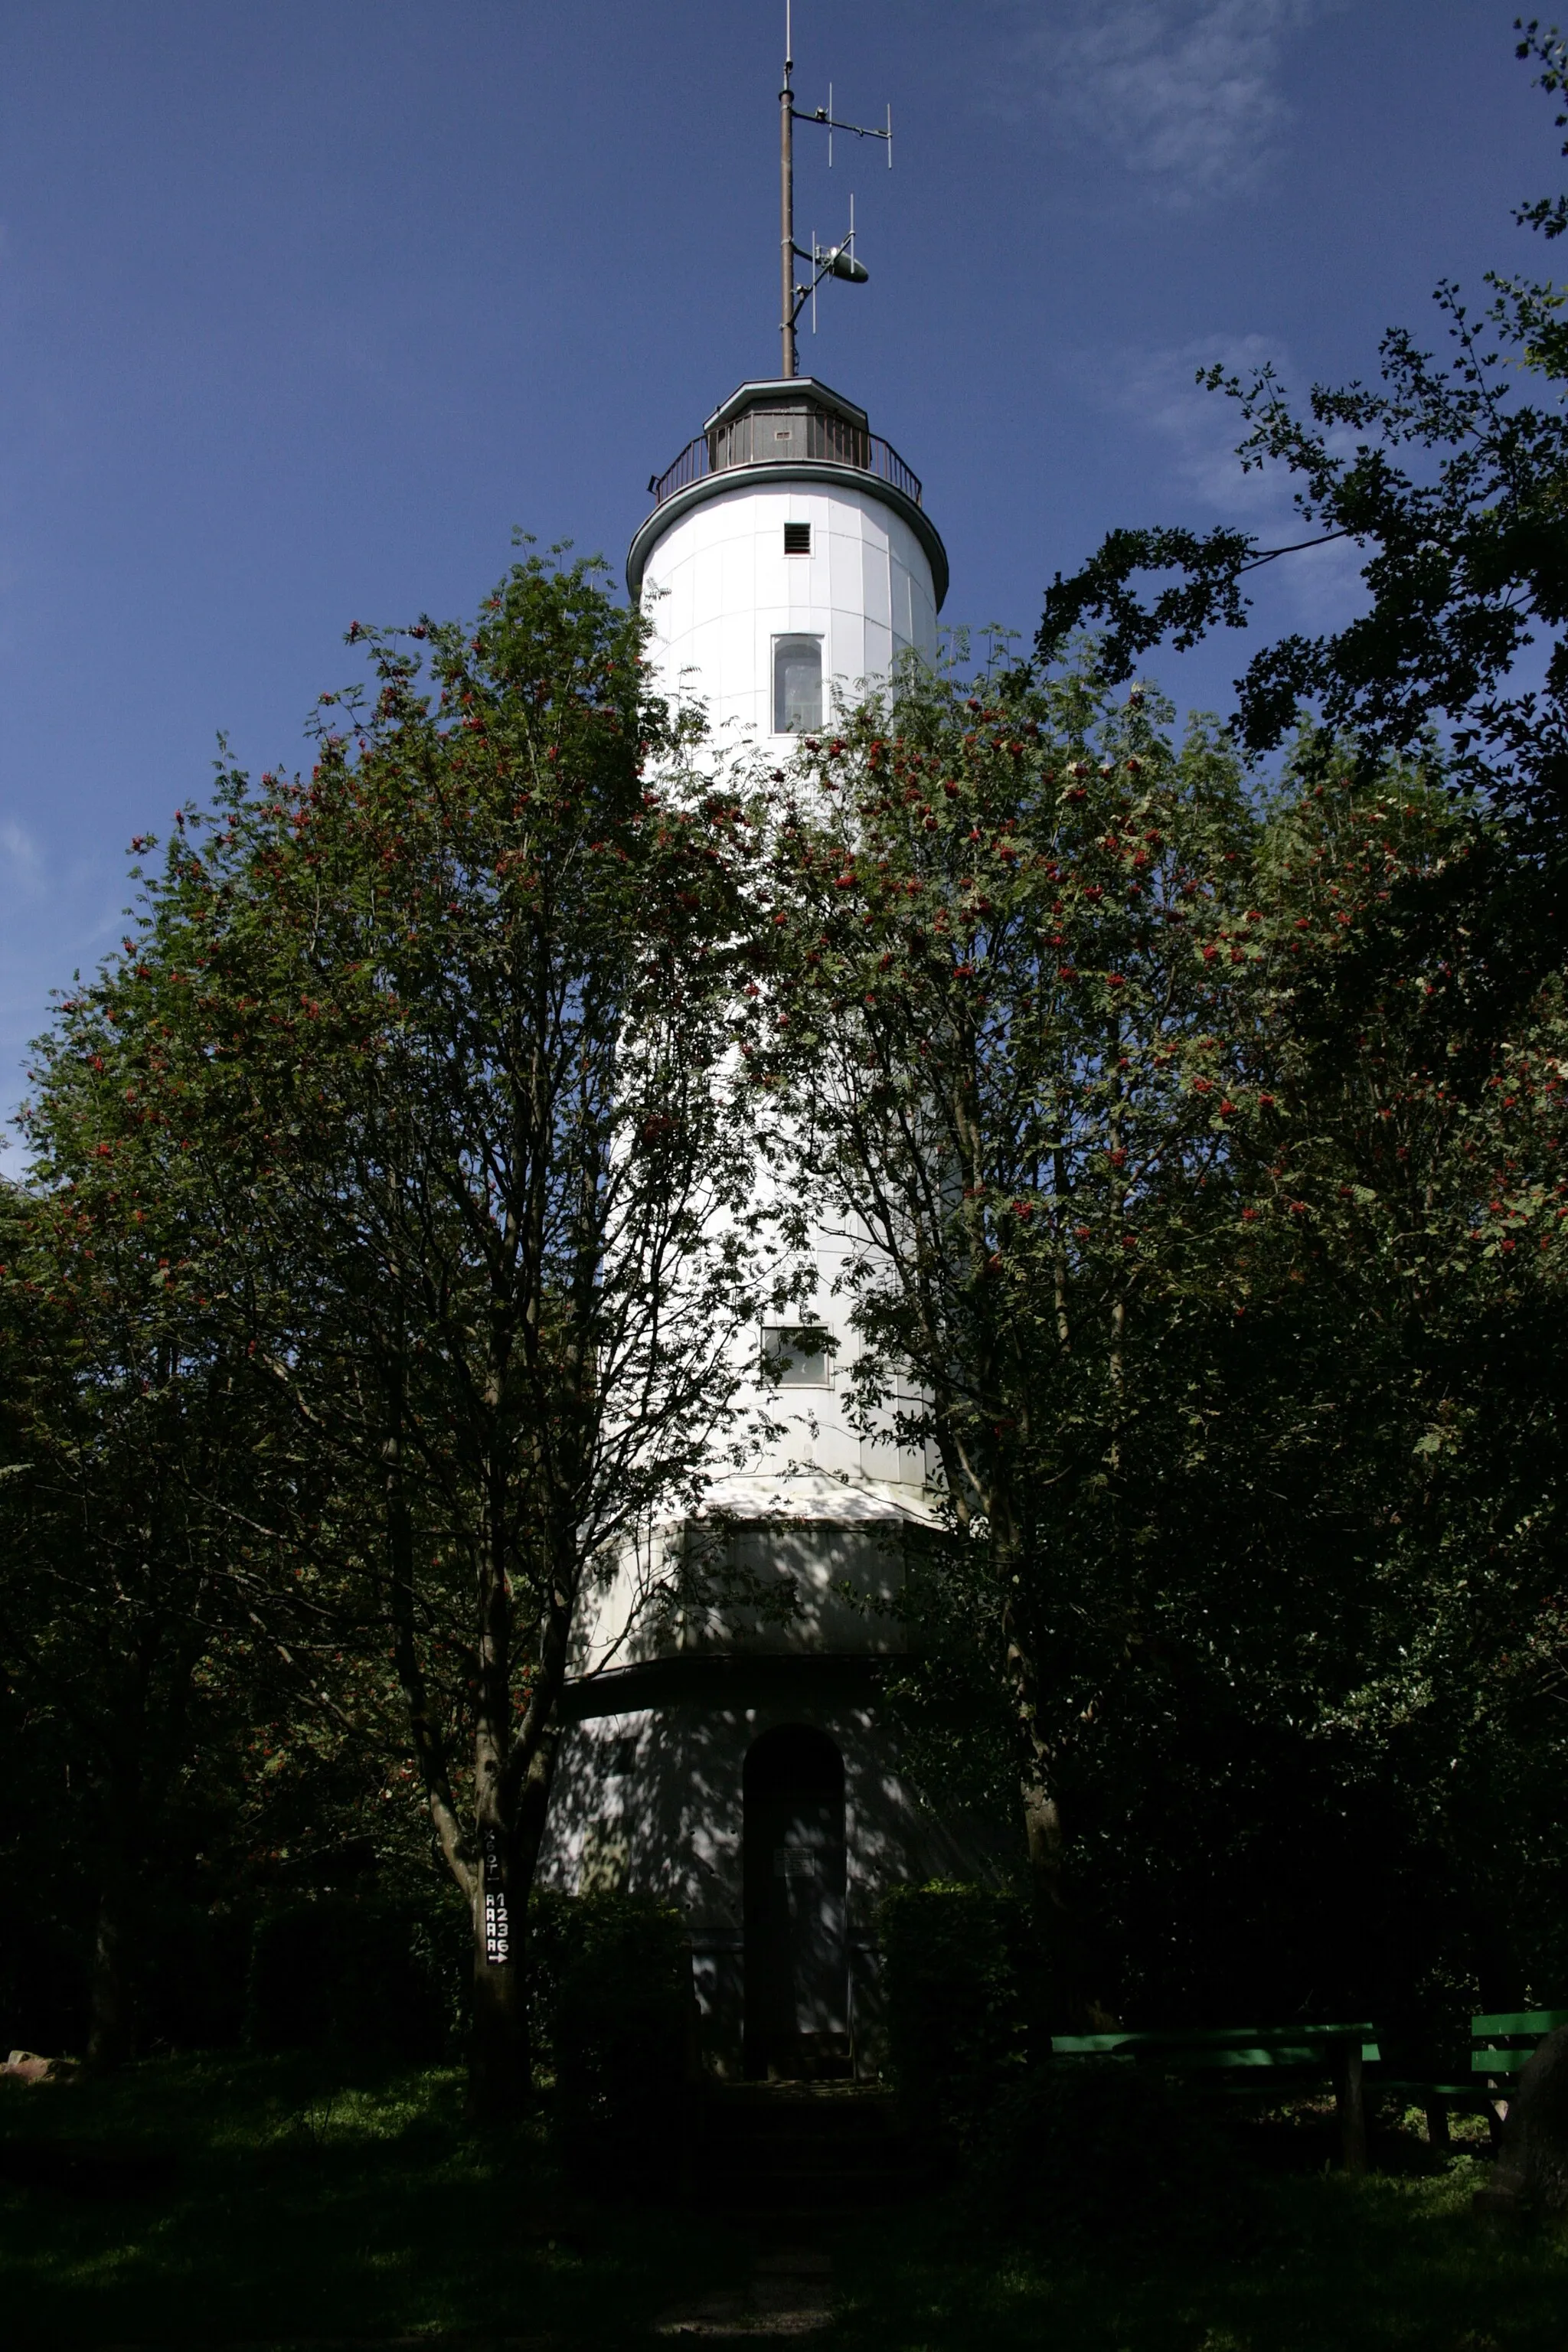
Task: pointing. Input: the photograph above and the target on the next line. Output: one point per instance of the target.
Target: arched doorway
(797, 1978)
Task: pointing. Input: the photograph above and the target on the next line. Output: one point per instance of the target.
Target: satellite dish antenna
(839, 261)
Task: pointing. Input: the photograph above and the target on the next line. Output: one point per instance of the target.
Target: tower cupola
(788, 557)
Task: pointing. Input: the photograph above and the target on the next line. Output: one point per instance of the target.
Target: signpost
(498, 1927)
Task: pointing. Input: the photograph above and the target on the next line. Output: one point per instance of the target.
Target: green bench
(1500, 2045)
(1504, 2045)
(1245, 2056)
(1434, 2094)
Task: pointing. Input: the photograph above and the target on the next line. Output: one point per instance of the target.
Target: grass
(313, 2203)
(309, 2204)
(1375, 2266)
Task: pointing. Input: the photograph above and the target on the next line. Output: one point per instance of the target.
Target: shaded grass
(1333, 2265)
(308, 2201)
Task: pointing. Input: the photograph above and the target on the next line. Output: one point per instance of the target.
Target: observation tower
(732, 1758)
(788, 556)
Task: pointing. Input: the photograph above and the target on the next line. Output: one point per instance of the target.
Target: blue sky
(304, 304)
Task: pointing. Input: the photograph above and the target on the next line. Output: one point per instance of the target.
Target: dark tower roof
(788, 429)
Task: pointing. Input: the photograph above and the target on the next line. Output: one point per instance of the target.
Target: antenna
(834, 261)
(830, 261)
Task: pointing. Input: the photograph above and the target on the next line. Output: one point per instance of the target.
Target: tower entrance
(796, 1952)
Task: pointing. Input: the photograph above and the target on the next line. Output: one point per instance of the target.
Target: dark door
(797, 1982)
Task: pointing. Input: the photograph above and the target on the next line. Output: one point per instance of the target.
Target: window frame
(824, 1355)
(788, 642)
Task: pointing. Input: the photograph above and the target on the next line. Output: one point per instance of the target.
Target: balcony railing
(775, 436)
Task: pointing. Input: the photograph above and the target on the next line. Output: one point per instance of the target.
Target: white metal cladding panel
(738, 574)
(914, 617)
(665, 1786)
(720, 588)
(862, 577)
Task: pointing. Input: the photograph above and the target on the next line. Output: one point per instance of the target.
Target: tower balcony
(783, 423)
(793, 429)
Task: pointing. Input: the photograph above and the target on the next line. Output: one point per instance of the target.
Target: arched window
(797, 685)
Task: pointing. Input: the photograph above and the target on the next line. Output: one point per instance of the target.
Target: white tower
(787, 557)
(732, 1761)
(788, 560)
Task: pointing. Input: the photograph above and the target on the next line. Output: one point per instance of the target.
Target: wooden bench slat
(1283, 2054)
(1252, 2036)
(1210, 2037)
(1193, 2053)
(1499, 2061)
(1538, 2022)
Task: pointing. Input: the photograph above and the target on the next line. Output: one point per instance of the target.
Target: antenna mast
(828, 261)
(786, 198)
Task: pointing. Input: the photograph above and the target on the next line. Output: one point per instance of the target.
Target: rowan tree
(1401, 1447)
(1398, 1350)
(454, 1005)
(1360, 1547)
(144, 1622)
(996, 991)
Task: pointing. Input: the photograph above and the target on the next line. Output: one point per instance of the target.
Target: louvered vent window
(798, 538)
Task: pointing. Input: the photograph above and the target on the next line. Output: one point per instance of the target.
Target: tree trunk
(500, 2068)
(123, 1799)
(1500, 1974)
(112, 2004)
(1045, 1835)
(1070, 2009)
(501, 2071)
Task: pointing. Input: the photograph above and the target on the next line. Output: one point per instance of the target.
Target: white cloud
(1157, 391)
(1186, 93)
(20, 862)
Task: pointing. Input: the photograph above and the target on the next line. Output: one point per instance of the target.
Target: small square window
(797, 1354)
(798, 538)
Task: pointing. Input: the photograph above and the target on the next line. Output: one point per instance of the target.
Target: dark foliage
(1048, 2147)
(1098, 2147)
(963, 1993)
(612, 1983)
(373, 1975)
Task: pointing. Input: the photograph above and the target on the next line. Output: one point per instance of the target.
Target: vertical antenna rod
(786, 200)
(831, 261)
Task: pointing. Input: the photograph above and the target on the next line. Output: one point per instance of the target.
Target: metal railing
(774, 436)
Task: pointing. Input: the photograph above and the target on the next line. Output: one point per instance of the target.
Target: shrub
(610, 1992)
(1100, 2147)
(612, 2003)
(962, 1988)
(380, 1975)
(1049, 2146)
(194, 1977)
